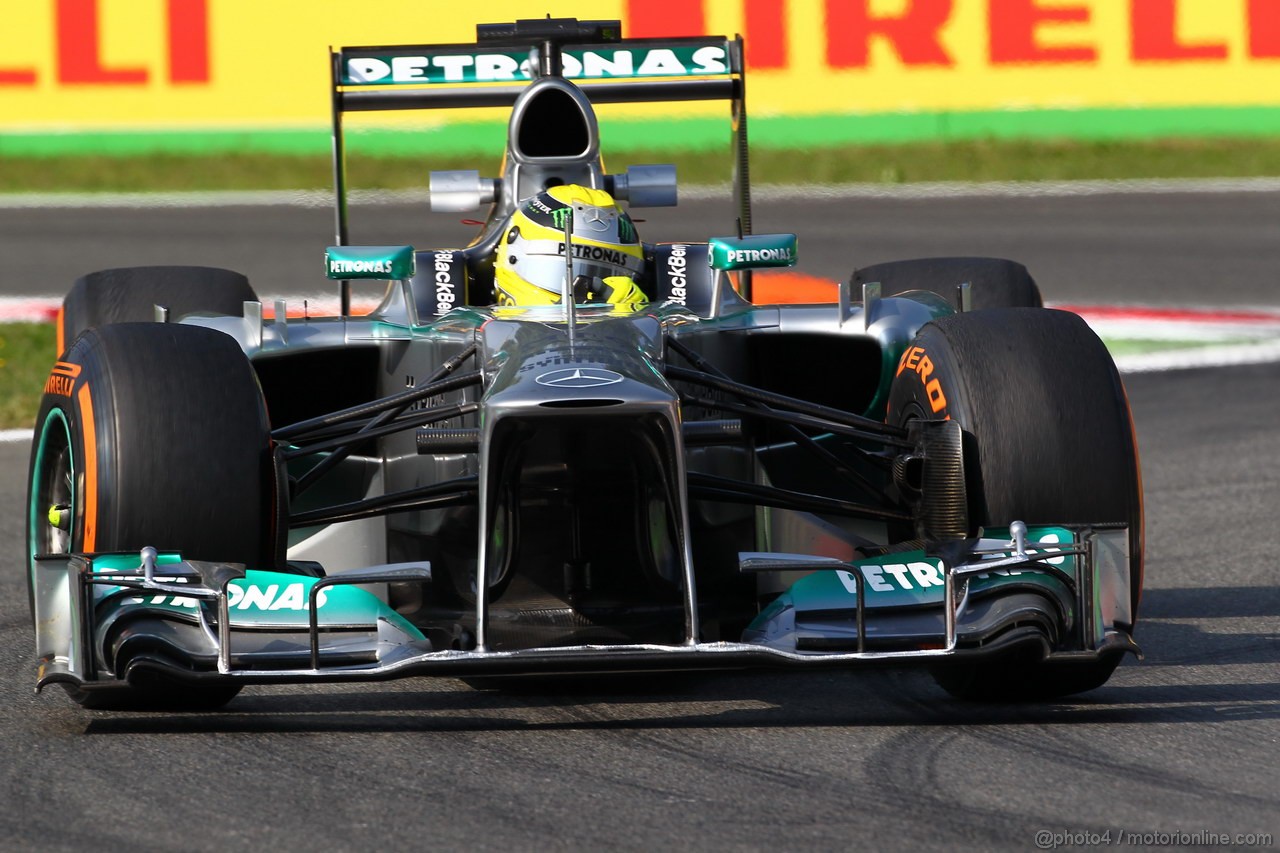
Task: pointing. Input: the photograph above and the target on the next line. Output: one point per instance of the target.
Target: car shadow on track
(1210, 603)
(721, 702)
(1203, 627)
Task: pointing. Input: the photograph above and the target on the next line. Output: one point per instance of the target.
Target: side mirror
(461, 191)
(389, 263)
(760, 251)
(644, 186)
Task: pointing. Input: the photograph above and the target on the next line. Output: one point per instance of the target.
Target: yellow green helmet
(607, 255)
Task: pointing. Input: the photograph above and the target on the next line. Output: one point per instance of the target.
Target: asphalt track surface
(1194, 249)
(1187, 741)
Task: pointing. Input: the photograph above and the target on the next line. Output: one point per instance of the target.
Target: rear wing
(505, 58)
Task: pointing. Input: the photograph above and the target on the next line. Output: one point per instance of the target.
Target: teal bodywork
(387, 263)
(760, 251)
(913, 579)
(259, 600)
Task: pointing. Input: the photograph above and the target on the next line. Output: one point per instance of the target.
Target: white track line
(1209, 356)
(10, 435)
(767, 192)
(1009, 189)
(233, 198)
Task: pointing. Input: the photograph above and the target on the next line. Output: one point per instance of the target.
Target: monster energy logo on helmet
(598, 216)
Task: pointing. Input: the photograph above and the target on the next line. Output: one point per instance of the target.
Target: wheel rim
(53, 490)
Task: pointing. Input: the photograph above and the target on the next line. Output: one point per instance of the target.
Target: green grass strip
(26, 354)
(1123, 347)
(689, 134)
(977, 160)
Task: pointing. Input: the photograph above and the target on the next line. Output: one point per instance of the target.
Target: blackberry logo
(677, 266)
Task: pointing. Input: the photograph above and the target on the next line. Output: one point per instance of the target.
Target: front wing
(101, 620)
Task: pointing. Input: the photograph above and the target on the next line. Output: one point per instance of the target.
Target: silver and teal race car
(933, 470)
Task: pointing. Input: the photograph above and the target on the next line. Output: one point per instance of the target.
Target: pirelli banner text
(831, 70)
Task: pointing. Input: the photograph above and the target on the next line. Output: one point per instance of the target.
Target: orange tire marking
(85, 399)
(62, 332)
(66, 368)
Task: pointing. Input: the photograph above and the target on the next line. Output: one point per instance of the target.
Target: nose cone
(566, 382)
(582, 485)
(612, 362)
(578, 378)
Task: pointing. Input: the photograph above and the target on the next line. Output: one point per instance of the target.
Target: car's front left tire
(153, 434)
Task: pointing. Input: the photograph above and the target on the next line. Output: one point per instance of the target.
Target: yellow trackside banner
(175, 64)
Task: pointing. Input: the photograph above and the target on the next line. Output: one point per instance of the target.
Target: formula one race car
(564, 450)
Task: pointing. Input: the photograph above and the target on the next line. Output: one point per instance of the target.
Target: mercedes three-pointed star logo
(593, 218)
(579, 377)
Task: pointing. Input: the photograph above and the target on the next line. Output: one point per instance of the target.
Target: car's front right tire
(993, 282)
(1048, 438)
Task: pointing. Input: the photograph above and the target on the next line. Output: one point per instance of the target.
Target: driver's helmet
(607, 255)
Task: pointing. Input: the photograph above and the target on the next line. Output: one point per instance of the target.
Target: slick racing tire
(153, 434)
(1047, 437)
(130, 294)
(993, 282)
